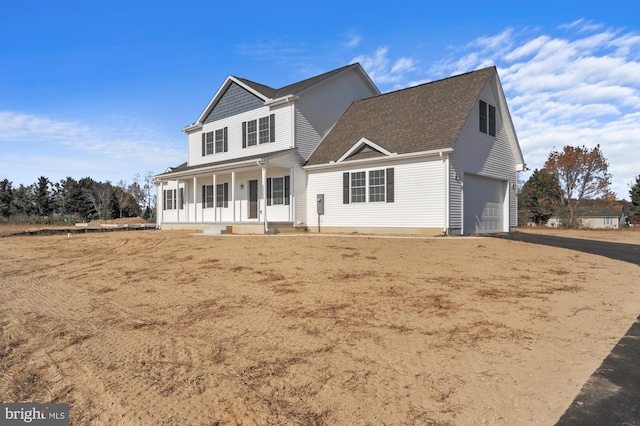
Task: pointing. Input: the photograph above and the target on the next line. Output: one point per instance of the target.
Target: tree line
(569, 177)
(81, 200)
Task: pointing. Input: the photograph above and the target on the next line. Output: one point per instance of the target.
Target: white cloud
(381, 70)
(353, 41)
(576, 85)
(580, 88)
(65, 148)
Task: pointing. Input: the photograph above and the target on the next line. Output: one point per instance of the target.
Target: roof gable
(427, 117)
(235, 100)
(364, 148)
(265, 94)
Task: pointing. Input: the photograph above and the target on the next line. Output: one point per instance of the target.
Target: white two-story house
(247, 148)
(332, 154)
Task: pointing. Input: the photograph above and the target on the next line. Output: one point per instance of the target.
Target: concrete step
(218, 230)
(285, 228)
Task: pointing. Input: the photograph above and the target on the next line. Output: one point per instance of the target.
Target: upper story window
(214, 142)
(252, 133)
(221, 140)
(487, 118)
(262, 130)
(372, 186)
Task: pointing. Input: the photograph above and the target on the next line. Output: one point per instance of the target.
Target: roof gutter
(407, 156)
(210, 169)
(281, 100)
(192, 127)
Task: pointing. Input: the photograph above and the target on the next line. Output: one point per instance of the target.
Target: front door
(253, 199)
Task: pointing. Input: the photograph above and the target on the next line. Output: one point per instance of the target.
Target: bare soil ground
(159, 327)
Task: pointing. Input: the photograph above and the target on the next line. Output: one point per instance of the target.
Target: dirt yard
(159, 327)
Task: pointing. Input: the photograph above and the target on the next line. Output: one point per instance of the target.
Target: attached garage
(485, 207)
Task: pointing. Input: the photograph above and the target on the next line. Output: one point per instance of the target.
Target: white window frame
(377, 191)
(252, 132)
(219, 140)
(209, 143)
(358, 187)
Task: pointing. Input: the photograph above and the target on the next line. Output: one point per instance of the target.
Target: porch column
(177, 201)
(233, 194)
(160, 203)
(215, 196)
(186, 201)
(195, 199)
(292, 198)
(264, 197)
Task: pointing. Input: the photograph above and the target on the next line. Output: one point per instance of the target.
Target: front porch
(243, 194)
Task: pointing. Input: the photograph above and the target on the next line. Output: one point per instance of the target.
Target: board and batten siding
(478, 153)
(283, 134)
(320, 107)
(419, 197)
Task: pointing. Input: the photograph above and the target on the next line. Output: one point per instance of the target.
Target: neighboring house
(595, 216)
(440, 157)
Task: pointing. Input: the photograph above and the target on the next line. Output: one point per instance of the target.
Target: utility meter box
(320, 203)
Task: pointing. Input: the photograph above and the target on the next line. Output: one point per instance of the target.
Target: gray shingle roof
(421, 118)
(291, 89)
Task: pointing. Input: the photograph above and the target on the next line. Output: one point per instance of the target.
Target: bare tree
(582, 174)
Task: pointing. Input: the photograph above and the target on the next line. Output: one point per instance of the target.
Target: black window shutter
(483, 116)
(203, 144)
(272, 128)
(204, 196)
(226, 144)
(492, 120)
(390, 186)
(244, 134)
(345, 188)
(226, 193)
(268, 191)
(286, 190)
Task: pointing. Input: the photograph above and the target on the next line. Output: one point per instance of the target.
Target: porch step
(218, 230)
(285, 228)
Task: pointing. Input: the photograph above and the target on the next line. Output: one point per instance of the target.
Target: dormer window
(487, 118)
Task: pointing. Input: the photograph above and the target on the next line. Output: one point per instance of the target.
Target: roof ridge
(293, 87)
(427, 83)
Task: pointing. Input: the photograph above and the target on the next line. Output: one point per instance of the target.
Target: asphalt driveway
(618, 251)
(611, 396)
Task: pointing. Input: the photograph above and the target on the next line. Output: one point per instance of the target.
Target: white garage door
(484, 204)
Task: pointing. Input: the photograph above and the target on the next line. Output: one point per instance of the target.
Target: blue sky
(102, 89)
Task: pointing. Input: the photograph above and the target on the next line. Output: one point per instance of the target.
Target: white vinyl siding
(476, 153)
(314, 117)
(419, 196)
(282, 126)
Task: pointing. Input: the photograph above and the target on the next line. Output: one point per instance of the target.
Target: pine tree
(539, 197)
(634, 193)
